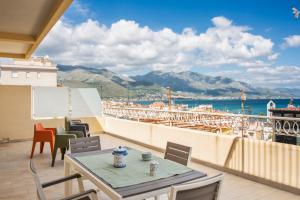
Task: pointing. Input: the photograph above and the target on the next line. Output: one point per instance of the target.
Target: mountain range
(152, 85)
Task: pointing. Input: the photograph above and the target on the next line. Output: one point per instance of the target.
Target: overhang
(25, 23)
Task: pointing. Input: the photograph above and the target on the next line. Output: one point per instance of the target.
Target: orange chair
(43, 135)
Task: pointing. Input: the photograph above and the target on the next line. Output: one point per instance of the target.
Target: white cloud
(273, 56)
(255, 63)
(126, 46)
(291, 41)
(80, 8)
(281, 76)
(221, 21)
(268, 76)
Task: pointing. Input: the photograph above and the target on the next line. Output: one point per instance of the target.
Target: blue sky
(253, 41)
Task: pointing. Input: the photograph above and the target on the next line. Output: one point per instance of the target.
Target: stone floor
(16, 181)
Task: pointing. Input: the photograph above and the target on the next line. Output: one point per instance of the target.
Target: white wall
(270, 161)
(206, 146)
(47, 78)
(49, 102)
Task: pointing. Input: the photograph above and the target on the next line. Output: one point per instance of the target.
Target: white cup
(153, 168)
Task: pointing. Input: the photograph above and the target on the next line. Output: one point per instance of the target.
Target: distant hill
(152, 85)
(204, 85)
(293, 92)
(80, 76)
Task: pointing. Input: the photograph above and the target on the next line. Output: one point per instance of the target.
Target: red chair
(43, 135)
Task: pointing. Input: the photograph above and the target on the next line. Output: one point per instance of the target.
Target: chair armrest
(78, 134)
(86, 126)
(60, 180)
(76, 121)
(78, 128)
(44, 131)
(62, 140)
(82, 194)
(66, 136)
(52, 129)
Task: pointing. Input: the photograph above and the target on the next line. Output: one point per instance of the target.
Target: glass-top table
(131, 182)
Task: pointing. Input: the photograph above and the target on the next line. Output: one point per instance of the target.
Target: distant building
(286, 131)
(157, 105)
(38, 71)
(270, 105)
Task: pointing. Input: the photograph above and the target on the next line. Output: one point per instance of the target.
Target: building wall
(47, 78)
(16, 122)
(15, 109)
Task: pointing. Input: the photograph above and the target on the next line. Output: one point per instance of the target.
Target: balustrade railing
(259, 127)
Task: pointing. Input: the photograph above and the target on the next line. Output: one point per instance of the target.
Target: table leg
(80, 185)
(94, 196)
(68, 184)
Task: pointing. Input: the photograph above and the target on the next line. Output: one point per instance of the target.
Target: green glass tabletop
(137, 171)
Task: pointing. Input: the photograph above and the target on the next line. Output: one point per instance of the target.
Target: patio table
(131, 182)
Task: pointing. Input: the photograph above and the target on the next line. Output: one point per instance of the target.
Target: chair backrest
(38, 127)
(39, 188)
(178, 153)
(204, 189)
(78, 145)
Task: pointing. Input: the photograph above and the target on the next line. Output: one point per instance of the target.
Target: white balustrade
(237, 123)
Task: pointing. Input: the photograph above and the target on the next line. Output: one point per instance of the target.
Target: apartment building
(37, 71)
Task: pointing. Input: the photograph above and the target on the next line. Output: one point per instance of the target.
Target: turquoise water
(252, 106)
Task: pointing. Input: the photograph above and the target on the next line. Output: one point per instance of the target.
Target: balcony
(17, 183)
(255, 168)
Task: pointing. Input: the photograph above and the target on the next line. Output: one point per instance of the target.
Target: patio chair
(62, 142)
(77, 125)
(205, 188)
(79, 145)
(43, 135)
(178, 153)
(83, 195)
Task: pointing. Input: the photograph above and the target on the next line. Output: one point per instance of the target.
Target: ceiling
(25, 23)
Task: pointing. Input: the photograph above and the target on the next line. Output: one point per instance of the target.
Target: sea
(252, 106)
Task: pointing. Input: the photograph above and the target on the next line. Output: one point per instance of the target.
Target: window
(39, 75)
(27, 74)
(14, 74)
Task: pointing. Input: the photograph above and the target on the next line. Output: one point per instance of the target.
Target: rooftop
(285, 110)
(17, 183)
(43, 63)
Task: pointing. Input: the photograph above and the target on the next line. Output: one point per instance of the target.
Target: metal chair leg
(54, 156)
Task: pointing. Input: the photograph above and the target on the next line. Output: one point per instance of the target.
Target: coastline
(252, 106)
